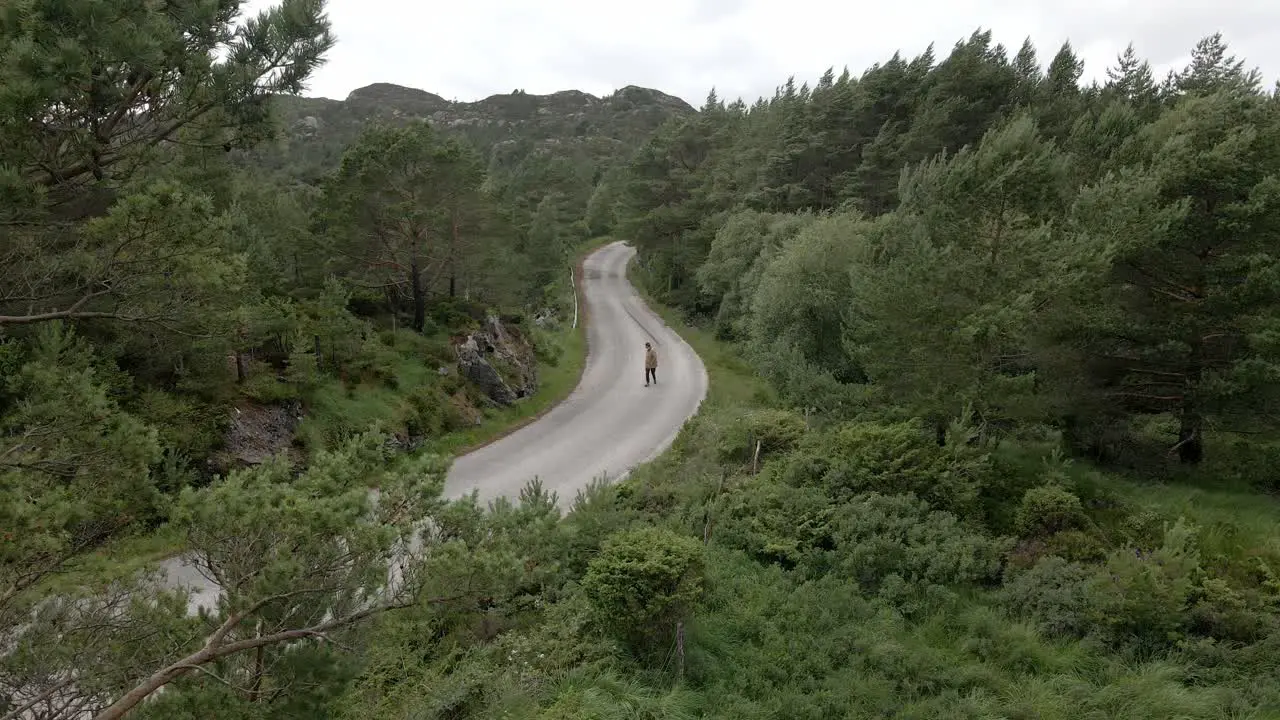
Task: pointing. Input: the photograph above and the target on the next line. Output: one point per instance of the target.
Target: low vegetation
(990, 431)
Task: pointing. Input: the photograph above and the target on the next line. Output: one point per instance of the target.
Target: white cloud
(474, 48)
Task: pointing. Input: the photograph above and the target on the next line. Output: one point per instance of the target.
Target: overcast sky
(470, 49)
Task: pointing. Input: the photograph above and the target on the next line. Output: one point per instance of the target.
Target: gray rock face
(307, 126)
(477, 369)
(258, 432)
(486, 354)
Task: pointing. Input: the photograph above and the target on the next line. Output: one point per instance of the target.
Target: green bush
(1246, 463)
(1054, 593)
(1049, 509)
(183, 423)
(892, 459)
(1084, 546)
(777, 431)
(546, 346)
(876, 537)
(1218, 610)
(266, 387)
(642, 582)
(428, 411)
(301, 370)
(377, 362)
(777, 523)
(1144, 597)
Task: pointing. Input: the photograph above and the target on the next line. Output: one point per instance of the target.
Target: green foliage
(1144, 596)
(777, 523)
(1055, 593)
(410, 201)
(939, 316)
(741, 251)
(74, 467)
(896, 545)
(933, 273)
(891, 459)
(1187, 298)
(89, 68)
(642, 583)
(771, 431)
(1048, 509)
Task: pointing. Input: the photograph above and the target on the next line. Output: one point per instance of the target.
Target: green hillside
(991, 430)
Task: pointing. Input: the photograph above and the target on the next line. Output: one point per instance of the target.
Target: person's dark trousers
(650, 373)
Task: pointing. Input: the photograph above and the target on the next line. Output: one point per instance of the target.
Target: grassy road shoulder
(556, 381)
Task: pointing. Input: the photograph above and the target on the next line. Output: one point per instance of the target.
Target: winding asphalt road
(607, 426)
(611, 422)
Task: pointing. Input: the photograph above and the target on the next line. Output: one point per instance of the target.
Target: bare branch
(213, 651)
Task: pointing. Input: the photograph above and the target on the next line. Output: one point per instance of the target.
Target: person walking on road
(650, 365)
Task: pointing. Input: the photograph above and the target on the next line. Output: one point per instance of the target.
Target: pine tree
(964, 96)
(1213, 70)
(399, 207)
(1026, 70)
(1182, 322)
(95, 100)
(939, 314)
(1131, 80)
(1060, 102)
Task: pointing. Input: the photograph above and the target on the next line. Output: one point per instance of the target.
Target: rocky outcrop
(256, 433)
(496, 361)
(499, 361)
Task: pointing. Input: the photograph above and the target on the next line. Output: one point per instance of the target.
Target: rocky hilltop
(315, 130)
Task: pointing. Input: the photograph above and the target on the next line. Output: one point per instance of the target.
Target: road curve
(608, 425)
(611, 422)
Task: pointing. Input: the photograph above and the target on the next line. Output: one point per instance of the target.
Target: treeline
(980, 235)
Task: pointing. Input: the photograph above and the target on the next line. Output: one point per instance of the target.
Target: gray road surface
(608, 425)
(611, 422)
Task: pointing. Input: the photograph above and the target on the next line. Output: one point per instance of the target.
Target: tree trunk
(259, 667)
(419, 297)
(680, 650)
(242, 369)
(1191, 437)
(1191, 420)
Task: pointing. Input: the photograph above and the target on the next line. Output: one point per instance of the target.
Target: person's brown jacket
(650, 359)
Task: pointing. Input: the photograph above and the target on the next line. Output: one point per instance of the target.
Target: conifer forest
(993, 426)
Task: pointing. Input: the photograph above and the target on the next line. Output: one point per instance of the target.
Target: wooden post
(574, 286)
(680, 650)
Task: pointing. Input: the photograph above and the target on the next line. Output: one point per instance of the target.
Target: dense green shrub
(428, 411)
(1144, 596)
(1054, 593)
(266, 386)
(777, 523)
(642, 583)
(891, 459)
(878, 537)
(776, 431)
(1049, 509)
(1085, 546)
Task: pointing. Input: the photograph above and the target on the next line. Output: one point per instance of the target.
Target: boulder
(499, 361)
(477, 369)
